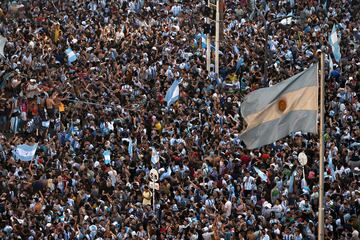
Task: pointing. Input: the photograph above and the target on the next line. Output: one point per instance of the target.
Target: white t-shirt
(227, 207)
(248, 182)
(207, 235)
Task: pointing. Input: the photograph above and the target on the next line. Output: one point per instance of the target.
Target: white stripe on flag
(24, 153)
(333, 36)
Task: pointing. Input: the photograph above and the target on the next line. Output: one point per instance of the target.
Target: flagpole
(321, 161)
(208, 43)
(217, 37)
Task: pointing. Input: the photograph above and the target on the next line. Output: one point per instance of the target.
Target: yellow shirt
(147, 197)
(61, 107)
(233, 78)
(57, 33)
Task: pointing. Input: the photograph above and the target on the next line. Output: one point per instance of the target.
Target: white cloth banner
(2, 45)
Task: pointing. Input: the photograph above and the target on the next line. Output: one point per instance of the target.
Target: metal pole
(321, 161)
(265, 79)
(208, 44)
(153, 187)
(217, 37)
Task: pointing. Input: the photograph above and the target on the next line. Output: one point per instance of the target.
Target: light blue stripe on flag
(71, 55)
(262, 175)
(172, 95)
(25, 152)
(271, 131)
(106, 155)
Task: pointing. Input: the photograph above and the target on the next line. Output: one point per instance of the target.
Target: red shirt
(245, 159)
(161, 99)
(265, 156)
(40, 19)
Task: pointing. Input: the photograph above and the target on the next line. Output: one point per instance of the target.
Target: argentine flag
(262, 175)
(172, 94)
(71, 55)
(130, 147)
(334, 41)
(166, 174)
(106, 155)
(203, 40)
(25, 152)
(154, 156)
(202, 37)
(304, 186)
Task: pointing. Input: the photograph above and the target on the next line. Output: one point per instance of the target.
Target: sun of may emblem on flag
(282, 105)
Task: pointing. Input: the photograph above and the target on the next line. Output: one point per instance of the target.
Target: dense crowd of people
(111, 98)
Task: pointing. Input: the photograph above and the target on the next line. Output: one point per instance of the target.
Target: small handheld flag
(172, 95)
(262, 175)
(106, 155)
(71, 55)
